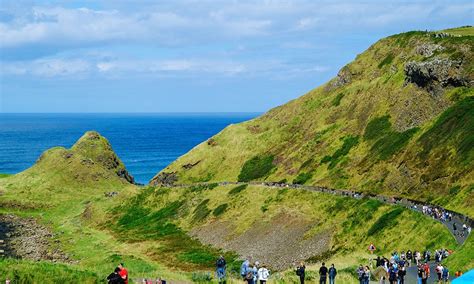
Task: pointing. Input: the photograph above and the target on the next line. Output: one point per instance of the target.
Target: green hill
(396, 121)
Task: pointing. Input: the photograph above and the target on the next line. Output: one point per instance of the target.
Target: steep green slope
(398, 121)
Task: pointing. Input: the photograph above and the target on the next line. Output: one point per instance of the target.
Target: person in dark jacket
(332, 274)
(115, 278)
(323, 274)
(221, 269)
(300, 271)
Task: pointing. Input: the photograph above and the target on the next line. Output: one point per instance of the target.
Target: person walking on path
(263, 274)
(323, 274)
(360, 274)
(221, 267)
(332, 274)
(445, 274)
(300, 271)
(366, 275)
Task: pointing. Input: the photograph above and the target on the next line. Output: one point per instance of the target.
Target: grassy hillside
(275, 226)
(398, 121)
(69, 192)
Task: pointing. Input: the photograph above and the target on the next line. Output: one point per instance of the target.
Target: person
(425, 274)
(445, 274)
(221, 269)
(300, 271)
(366, 275)
(455, 228)
(255, 267)
(263, 274)
(332, 274)
(244, 268)
(114, 277)
(323, 274)
(409, 257)
(392, 275)
(439, 271)
(360, 274)
(401, 275)
(123, 273)
(420, 272)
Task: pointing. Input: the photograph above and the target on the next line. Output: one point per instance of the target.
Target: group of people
(325, 274)
(254, 273)
(119, 276)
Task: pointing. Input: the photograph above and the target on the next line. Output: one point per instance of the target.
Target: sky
(191, 56)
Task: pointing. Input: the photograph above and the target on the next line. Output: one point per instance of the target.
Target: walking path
(457, 218)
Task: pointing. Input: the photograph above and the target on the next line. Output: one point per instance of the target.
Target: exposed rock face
(190, 165)
(435, 74)
(428, 49)
(164, 178)
(25, 238)
(343, 77)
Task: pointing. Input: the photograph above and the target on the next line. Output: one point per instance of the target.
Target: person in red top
(123, 273)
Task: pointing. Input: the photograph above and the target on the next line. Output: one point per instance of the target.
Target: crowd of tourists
(444, 216)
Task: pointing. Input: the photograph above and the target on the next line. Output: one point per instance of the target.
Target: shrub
(302, 178)
(337, 100)
(387, 60)
(392, 143)
(256, 167)
(238, 189)
(377, 127)
(219, 210)
(347, 145)
(201, 211)
(387, 220)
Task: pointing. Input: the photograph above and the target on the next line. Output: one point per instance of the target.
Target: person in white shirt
(263, 274)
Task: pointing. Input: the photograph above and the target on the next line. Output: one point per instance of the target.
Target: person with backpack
(300, 272)
(244, 269)
(409, 257)
(445, 274)
(263, 274)
(332, 274)
(323, 274)
(221, 267)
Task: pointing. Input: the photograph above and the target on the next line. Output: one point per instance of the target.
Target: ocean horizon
(145, 142)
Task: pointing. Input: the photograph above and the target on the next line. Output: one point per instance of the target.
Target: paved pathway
(457, 219)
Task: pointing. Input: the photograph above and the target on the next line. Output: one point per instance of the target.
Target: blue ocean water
(146, 143)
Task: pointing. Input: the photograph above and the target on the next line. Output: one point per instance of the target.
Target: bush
(302, 178)
(387, 60)
(337, 100)
(238, 189)
(348, 144)
(256, 167)
(387, 220)
(219, 210)
(201, 211)
(392, 143)
(377, 127)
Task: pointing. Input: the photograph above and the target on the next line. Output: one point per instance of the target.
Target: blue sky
(191, 56)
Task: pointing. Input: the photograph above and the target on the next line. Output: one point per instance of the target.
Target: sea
(146, 143)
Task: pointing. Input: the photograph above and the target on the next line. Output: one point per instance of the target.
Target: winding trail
(458, 219)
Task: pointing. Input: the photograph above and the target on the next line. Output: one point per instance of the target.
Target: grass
(387, 220)
(257, 167)
(337, 100)
(392, 143)
(302, 178)
(219, 210)
(386, 61)
(23, 271)
(238, 189)
(348, 143)
(4, 175)
(377, 127)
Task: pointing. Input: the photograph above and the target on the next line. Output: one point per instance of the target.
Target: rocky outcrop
(190, 165)
(435, 74)
(343, 77)
(25, 238)
(164, 179)
(428, 49)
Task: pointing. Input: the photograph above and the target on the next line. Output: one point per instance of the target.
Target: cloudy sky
(191, 56)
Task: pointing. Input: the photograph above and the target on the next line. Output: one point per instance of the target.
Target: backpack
(220, 262)
(299, 272)
(249, 275)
